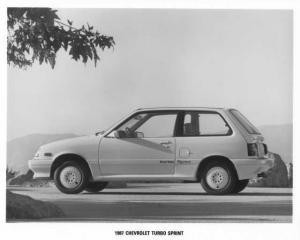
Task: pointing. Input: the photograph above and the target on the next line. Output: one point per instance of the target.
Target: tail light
(265, 149)
(252, 149)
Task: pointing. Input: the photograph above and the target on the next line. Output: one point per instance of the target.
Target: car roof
(179, 108)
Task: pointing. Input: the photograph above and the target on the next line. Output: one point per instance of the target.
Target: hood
(71, 143)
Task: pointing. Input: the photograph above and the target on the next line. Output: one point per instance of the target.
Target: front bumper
(41, 168)
(251, 167)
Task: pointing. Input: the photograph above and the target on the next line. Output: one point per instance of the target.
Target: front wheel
(94, 187)
(218, 178)
(71, 177)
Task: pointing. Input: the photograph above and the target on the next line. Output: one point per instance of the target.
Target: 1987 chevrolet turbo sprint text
(217, 147)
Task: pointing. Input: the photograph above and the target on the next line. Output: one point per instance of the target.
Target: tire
(240, 185)
(71, 177)
(94, 187)
(218, 178)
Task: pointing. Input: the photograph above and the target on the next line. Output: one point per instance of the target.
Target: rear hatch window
(250, 128)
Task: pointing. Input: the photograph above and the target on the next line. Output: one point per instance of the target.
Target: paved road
(169, 203)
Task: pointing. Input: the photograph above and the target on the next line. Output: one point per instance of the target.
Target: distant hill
(20, 150)
(279, 139)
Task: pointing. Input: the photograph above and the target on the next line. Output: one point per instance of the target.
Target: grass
(19, 207)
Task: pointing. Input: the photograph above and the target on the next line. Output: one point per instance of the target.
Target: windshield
(134, 122)
(251, 129)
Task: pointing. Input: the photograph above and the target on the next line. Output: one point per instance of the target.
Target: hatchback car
(217, 147)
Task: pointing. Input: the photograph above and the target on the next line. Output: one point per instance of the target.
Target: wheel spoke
(217, 178)
(70, 177)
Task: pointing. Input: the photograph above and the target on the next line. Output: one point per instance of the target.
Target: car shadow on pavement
(145, 193)
(187, 193)
(265, 194)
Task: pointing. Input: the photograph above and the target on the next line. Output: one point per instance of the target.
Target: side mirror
(116, 134)
(119, 134)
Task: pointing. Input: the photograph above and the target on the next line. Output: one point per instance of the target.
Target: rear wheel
(240, 185)
(218, 178)
(71, 177)
(94, 187)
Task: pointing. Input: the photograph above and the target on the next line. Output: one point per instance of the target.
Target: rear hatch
(254, 139)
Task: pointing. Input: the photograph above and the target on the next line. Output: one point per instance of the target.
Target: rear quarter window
(212, 124)
(205, 124)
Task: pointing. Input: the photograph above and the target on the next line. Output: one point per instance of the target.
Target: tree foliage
(37, 34)
(10, 173)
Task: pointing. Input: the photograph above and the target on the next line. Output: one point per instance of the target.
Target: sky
(207, 58)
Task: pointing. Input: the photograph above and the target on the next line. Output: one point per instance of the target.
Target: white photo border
(211, 231)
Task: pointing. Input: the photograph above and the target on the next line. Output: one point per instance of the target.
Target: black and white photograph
(149, 115)
(149, 121)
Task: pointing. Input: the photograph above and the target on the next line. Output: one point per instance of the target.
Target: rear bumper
(250, 168)
(40, 168)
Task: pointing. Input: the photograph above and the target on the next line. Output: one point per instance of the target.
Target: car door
(148, 148)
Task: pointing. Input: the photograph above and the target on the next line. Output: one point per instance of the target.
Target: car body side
(189, 153)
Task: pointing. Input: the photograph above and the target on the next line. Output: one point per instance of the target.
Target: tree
(10, 173)
(37, 34)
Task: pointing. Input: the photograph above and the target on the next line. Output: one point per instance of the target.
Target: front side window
(205, 124)
(149, 125)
